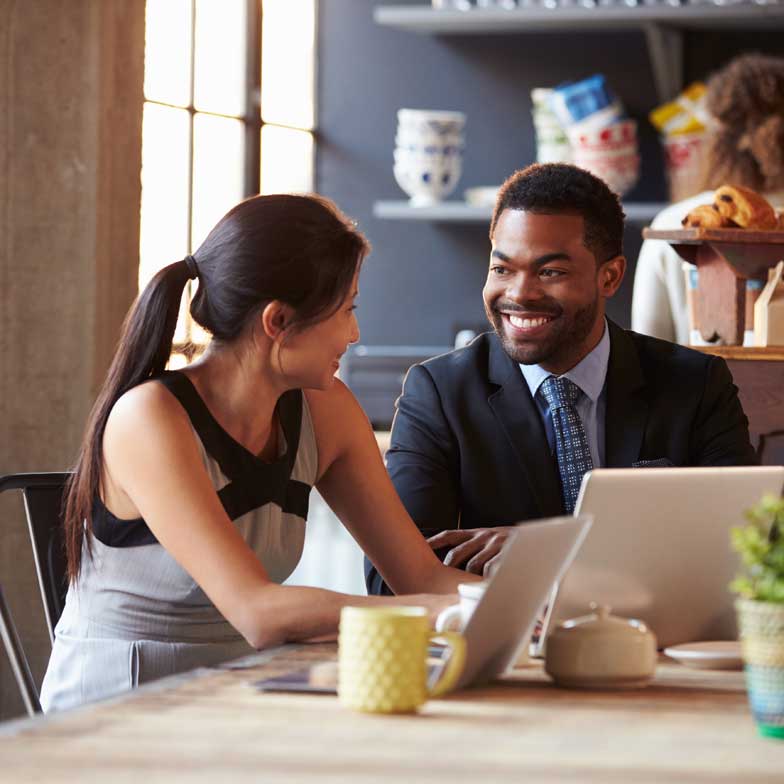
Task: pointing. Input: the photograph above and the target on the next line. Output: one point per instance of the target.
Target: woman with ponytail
(744, 146)
(188, 503)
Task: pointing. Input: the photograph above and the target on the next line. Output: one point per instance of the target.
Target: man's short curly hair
(559, 188)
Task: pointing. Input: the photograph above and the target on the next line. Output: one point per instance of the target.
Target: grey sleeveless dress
(135, 614)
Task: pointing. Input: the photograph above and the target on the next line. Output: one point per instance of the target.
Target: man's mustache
(525, 307)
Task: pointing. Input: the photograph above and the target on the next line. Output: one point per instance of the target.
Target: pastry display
(745, 207)
(735, 207)
(706, 216)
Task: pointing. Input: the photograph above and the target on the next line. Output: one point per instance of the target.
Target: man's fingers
(458, 555)
(491, 549)
(449, 538)
(491, 566)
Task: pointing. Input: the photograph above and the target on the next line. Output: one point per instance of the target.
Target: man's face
(545, 293)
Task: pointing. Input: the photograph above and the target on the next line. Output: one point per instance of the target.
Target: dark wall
(423, 281)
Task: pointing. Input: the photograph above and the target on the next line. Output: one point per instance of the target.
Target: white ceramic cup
(455, 617)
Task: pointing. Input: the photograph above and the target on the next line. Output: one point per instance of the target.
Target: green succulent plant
(761, 546)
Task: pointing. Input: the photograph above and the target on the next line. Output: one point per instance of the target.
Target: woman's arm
(354, 482)
(153, 461)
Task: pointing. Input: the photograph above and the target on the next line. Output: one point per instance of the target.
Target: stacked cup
(610, 152)
(552, 144)
(602, 140)
(428, 153)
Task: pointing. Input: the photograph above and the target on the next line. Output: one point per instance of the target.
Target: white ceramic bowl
(430, 152)
(427, 122)
(618, 136)
(428, 181)
(550, 152)
(620, 172)
(482, 196)
(419, 115)
(404, 138)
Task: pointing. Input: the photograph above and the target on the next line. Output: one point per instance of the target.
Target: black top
(253, 483)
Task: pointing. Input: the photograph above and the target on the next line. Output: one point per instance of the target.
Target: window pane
(164, 208)
(167, 52)
(287, 62)
(218, 152)
(286, 160)
(177, 361)
(220, 56)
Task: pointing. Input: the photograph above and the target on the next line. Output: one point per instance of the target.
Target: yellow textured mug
(383, 659)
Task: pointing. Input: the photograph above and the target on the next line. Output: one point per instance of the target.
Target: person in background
(744, 146)
(188, 504)
(503, 430)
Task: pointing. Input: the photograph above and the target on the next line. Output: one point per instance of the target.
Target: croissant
(706, 216)
(745, 207)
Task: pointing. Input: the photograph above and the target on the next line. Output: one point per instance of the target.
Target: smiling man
(503, 430)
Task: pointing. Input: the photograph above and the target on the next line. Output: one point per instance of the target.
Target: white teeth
(527, 323)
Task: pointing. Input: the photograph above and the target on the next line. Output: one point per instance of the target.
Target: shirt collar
(589, 373)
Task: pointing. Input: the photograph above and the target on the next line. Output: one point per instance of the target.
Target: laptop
(533, 558)
(659, 549)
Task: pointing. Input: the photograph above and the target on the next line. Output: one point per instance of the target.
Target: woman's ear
(276, 318)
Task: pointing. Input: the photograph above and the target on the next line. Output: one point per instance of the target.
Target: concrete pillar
(71, 76)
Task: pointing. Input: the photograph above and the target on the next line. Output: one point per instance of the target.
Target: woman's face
(311, 358)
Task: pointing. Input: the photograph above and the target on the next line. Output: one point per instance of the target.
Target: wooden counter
(212, 726)
(759, 376)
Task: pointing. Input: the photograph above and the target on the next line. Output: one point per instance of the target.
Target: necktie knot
(560, 392)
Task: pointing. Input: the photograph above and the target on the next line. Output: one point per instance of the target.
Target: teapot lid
(600, 621)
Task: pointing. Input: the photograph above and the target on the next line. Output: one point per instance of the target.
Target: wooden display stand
(726, 258)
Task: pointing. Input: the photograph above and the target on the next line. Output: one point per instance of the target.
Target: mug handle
(447, 617)
(454, 665)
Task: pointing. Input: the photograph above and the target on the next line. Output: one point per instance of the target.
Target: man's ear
(276, 318)
(611, 275)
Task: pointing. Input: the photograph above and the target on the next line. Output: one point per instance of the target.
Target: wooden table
(212, 726)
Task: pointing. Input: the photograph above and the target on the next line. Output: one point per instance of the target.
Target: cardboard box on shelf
(769, 310)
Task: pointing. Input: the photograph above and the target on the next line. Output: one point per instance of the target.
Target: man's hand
(477, 548)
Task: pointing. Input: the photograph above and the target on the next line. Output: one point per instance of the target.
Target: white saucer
(719, 655)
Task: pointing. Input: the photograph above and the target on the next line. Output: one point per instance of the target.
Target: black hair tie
(193, 269)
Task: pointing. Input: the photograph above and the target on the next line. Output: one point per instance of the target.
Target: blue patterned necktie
(571, 444)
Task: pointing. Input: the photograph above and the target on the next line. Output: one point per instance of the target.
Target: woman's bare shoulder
(146, 410)
(338, 419)
(335, 406)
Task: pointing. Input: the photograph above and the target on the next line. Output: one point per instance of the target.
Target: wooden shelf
(477, 21)
(662, 25)
(766, 353)
(461, 212)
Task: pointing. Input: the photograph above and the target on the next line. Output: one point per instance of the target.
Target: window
(229, 112)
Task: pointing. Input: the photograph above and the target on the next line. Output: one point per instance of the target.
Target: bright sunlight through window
(221, 122)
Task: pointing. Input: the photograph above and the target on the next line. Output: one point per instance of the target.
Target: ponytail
(142, 353)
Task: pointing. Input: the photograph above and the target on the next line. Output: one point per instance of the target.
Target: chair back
(43, 500)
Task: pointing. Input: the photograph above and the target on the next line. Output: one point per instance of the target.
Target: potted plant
(760, 609)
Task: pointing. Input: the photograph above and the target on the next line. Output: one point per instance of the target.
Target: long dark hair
(300, 250)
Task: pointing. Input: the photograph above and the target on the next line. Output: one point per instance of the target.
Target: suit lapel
(519, 418)
(627, 409)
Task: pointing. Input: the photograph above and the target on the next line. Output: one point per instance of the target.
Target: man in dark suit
(485, 437)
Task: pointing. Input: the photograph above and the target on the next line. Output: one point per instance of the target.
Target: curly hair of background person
(746, 145)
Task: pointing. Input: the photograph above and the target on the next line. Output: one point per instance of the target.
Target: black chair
(43, 501)
(18, 660)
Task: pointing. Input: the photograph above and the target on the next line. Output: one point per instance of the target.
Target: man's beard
(566, 334)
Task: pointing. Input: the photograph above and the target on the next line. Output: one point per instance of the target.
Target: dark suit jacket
(468, 445)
